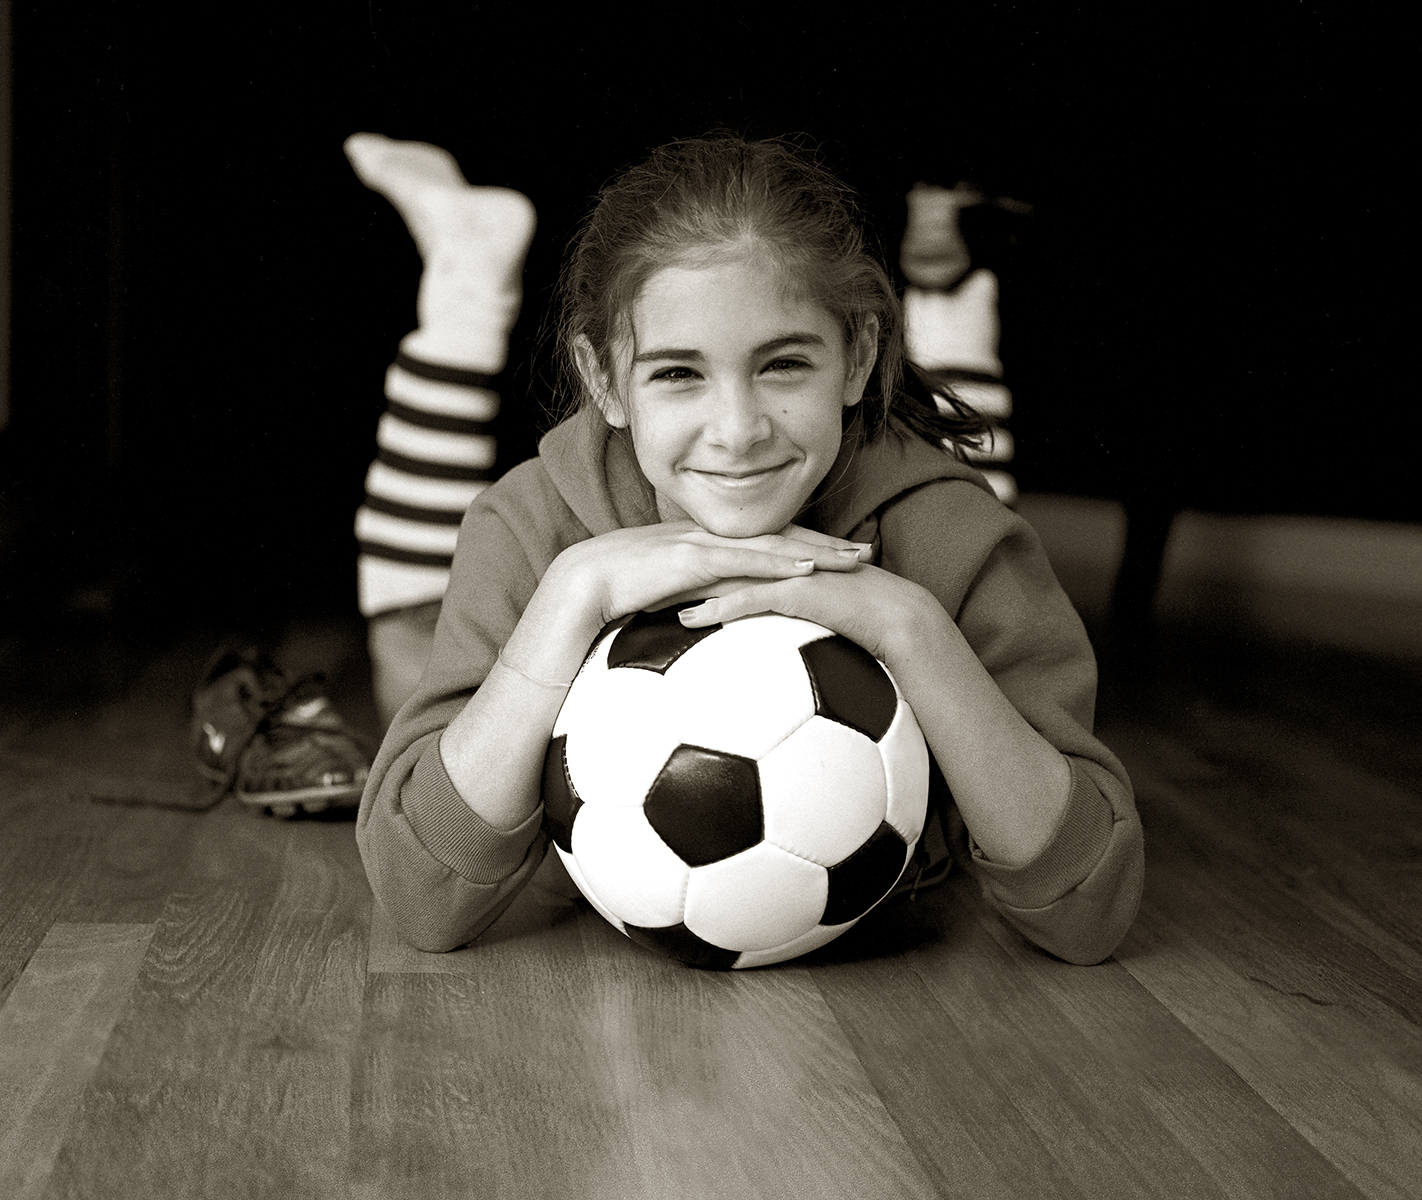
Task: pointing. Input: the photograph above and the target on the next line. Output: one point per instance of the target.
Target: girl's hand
(868, 605)
(628, 570)
(1009, 783)
(651, 566)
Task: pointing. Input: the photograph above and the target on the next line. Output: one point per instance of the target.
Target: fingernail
(697, 613)
(805, 564)
(854, 554)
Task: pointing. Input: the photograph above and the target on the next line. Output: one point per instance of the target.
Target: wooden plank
(1358, 708)
(1014, 1074)
(1344, 839)
(1269, 930)
(65, 858)
(229, 1073)
(1329, 1073)
(1140, 1055)
(1259, 1036)
(140, 858)
(128, 740)
(961, 1125)
(47, 845)
(561, 1060)
(1291, 826)
(469, 1079)
(53, 1029)
(739, 1084)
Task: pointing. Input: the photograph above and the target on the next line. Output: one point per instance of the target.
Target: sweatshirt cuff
(454, 833)
(1078, 843)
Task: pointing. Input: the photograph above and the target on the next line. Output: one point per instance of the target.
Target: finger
(755, 597)
(814, 536)
(698, 616)
(722, 587)
(827, 553)
(718, 563)
(834, 555)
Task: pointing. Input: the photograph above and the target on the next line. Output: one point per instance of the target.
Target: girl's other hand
(873, 607)
(652, 566)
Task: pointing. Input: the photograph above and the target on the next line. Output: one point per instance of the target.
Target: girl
(746, 436)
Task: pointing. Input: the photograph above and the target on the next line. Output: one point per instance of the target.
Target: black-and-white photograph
(708, 602)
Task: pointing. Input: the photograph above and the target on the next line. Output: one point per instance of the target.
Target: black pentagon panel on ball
(705, 804)
(560, 800)
(611, 627)
(678, 942)
(850, 685)
(865, 877)
(652, 641)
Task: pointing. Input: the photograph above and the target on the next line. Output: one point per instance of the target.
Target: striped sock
(435, 452)
(435, 446)
(951, 319)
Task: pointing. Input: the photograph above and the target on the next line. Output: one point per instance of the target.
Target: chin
(741, 525)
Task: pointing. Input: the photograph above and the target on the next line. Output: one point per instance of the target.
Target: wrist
(558, 625)
(913, 621)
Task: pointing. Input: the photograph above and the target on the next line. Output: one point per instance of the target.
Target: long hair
(694, 198)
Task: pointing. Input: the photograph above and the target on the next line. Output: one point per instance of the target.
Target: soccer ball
(737, 795)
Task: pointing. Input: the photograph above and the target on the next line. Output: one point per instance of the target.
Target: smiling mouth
(741, 478)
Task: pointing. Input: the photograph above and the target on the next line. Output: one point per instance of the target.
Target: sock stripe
(433, 445)
(428, 395)
(382, 529)
(443, 374)
(418, 558)
(448, 495)
(433, 470)
(438, 421)
(412, 512)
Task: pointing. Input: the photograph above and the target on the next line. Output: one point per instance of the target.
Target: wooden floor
(207, 1004)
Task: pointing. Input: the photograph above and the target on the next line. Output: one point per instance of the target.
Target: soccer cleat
(227, 707)
(302, 756)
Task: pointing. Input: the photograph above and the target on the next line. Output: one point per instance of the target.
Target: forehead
(724, 298)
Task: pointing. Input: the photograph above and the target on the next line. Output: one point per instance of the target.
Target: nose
(738, 420)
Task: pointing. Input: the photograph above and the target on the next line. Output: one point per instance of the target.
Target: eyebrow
(790, 339)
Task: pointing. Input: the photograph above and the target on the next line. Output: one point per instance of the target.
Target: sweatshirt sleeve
(442, 873)
(985, 564)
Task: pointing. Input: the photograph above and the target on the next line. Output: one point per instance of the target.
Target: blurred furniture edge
(1339, 582)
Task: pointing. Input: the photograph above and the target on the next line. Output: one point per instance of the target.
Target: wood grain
(44, 852)
(53, 1029)
(1329, 1079)
(229, 1073)
(1016, 1074)
(1280, 926)
(556, 1058)
(1259, 1033)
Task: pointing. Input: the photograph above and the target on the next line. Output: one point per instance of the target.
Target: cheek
(826, 431)
(657, 444)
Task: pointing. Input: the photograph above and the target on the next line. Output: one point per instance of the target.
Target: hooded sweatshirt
(444, 874)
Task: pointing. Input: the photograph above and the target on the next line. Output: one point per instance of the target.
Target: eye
(780, 366)
(673, 375)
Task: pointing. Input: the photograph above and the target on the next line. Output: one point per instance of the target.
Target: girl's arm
(494, 749)
(449, 826)
(1002, 679)
(1010, 784)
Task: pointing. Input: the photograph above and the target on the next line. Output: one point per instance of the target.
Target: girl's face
(734, 395)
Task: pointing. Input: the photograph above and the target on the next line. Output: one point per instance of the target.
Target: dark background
(1201, 311)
